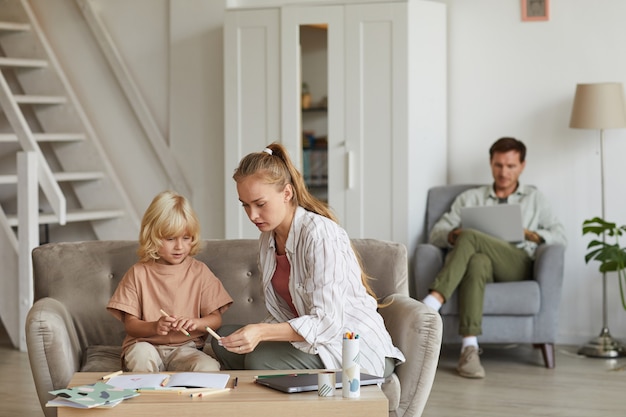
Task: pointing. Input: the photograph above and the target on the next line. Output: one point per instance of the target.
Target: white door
(376, 101)
(291, 20)
(252, 100)
(395, 116)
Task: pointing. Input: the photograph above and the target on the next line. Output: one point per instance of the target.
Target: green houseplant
(612, 256)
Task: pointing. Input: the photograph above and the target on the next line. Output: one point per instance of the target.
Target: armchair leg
(547, 350)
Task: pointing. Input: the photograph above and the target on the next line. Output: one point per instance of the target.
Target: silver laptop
(307, 382)
(503, 221)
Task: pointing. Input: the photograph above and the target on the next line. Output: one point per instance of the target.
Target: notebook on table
(307, 382)
(503, 221)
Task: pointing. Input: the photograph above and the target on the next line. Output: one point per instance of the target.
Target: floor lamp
(600, 106)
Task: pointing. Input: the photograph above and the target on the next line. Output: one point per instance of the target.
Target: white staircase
(53, 169)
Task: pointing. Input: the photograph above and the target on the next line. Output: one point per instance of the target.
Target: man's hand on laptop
(453, 235)
(532, 236)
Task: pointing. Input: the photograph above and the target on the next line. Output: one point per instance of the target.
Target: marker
(236, 381)
(160, 390)
(212, 333)
(183, 331)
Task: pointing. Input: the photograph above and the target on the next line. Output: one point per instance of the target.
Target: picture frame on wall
(535, 10)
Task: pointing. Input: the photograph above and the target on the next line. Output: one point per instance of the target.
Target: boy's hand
(185, 323)
(164, 325)
(180, 324)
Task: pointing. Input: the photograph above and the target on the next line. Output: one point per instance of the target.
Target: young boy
(168, 299)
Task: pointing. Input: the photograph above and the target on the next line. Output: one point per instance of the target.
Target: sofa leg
(547, 350)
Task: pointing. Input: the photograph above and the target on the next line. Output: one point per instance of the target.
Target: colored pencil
(183, 331)
(111, 375)
(212, 333)
(209, 392)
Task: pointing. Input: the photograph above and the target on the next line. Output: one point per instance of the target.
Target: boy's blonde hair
(169, 215)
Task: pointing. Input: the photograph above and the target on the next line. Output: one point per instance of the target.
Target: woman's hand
(243, 340)
(246, 339)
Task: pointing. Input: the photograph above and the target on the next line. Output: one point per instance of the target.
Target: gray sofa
(68, 328)
(513, 312)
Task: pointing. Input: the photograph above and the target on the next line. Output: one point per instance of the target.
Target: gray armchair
(514, 312)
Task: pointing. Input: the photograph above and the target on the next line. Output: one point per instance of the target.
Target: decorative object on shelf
(305, 96)
(600, 106)
(535, 10)
(323, 104)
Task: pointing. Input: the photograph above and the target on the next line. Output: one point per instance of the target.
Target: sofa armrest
(548, 272)
(427, 262)
(417, 331)
(53, 349)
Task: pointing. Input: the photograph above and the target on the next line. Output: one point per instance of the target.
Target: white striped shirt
(327, 291)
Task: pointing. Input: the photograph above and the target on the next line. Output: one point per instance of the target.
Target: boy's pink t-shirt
(189, 289)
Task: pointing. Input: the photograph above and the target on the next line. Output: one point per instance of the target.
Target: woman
(315, 289)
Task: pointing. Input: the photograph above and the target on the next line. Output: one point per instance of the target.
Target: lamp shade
(598, 106)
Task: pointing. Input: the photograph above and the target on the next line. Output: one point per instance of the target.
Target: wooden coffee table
(248, 399)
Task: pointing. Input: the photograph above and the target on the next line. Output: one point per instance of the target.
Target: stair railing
(27, 142)
(28, 233)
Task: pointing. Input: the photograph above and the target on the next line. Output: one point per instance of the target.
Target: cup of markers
(350, 366)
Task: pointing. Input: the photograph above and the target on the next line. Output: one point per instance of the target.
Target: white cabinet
(386, 107)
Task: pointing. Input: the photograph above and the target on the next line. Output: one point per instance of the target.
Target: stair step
(59, 176)
(46, 137)
(8, 179)
(24, 99)
(78, 176)
(74, 216)
(22, 63)
(14, 27)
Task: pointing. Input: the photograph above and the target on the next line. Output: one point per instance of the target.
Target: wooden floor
(517, 384)
(17, 391)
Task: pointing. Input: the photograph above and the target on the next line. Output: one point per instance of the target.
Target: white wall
(174, 51)
(508, 77)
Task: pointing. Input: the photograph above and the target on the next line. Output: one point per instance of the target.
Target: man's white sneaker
(469, 363)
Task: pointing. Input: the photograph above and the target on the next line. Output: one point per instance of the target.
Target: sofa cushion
(102, 359)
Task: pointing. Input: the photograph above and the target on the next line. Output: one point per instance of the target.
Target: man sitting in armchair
(476, 258)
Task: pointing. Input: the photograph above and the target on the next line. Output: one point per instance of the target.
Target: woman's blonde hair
(274, 166)
(168, 215)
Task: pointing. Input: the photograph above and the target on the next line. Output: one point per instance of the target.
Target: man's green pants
(475, 260)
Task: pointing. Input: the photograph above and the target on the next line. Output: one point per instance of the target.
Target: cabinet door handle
(349, 168)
